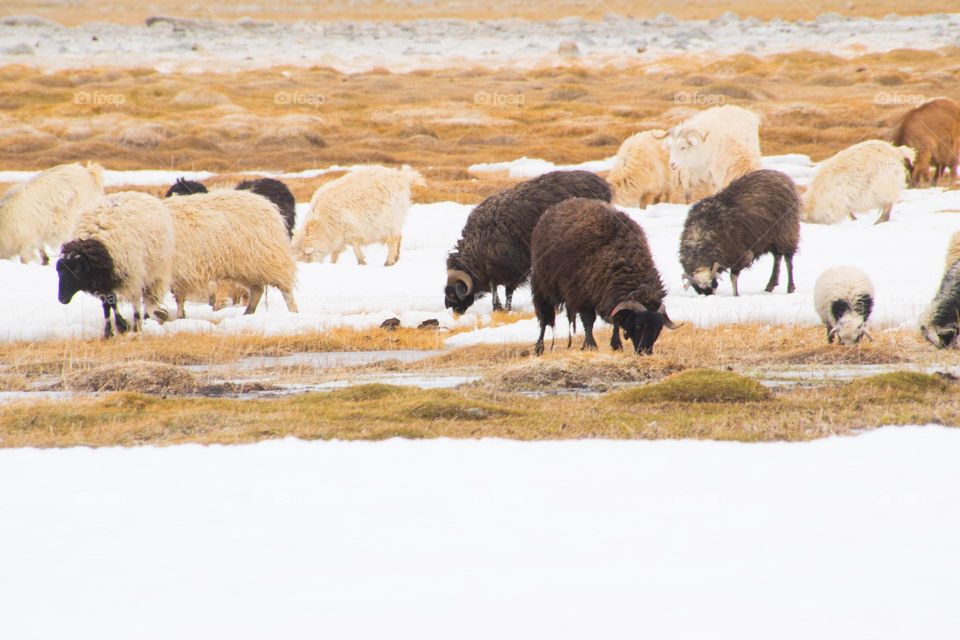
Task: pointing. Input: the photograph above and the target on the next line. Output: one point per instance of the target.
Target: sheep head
(851, 325)
(73, 269)
(640, 325)
(704, 280)
(686, 147)
(85, 265)
(459, 293)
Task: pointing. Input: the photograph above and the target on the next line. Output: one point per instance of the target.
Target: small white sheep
(42, 211)
(123, 246)
(366, 206)
(843, 298)
(713, 148)
(230, 236)
(641, 173)
(868, 175)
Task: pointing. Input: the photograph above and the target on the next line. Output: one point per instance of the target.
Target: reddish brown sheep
(933, 131)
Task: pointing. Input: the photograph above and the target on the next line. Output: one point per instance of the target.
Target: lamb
(932, 130)
(940, 322)
(123, 247)
(277, 193)
(366, 206)
(42, 211)
(184, 187)
(755, 215)
(641, 174)
(594, 259)
(714, 147)
(843, 298)
(230, 236)
(494, 247)
(866, 176)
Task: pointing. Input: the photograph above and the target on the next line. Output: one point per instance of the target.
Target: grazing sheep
(755, 215)
(277, 193)
(868, 175)
(932, 130)
(184, 187)
(714, 147)
(123, 246)
(843, 298)
(494, 247)
(230, 236)
(42, 211)
(940, 322)
(593, 259)
(641, 173)
(366, 206)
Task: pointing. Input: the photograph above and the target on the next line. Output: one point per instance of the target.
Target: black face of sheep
(459, 294)
(184, 187)
(73, 271)
(85, 265)
(942, 336)
(639, 325)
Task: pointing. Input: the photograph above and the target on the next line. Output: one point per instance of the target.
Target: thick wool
(932, 130)
(279, 194)
(641, 173)
(868, 175)
(843, 297)
(366, 206)
(940, 321)
(42, 212)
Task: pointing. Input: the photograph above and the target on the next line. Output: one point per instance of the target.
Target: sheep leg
(291, 303)
(152, 307)
(588, 318)
(547, 315)
(255, 294)
(44, 258)
(885, 213)
(107, 327)
(829, 334)
(775, 274)
(615, 343)
(393, 251)
(510, 290)
(496, 297)
(788, 258)
(734, 276)
(122, 325)
(357, 251)
(334, 257)
(181, 299)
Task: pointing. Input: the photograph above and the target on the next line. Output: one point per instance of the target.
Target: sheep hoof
(791, 289)
(538, 348)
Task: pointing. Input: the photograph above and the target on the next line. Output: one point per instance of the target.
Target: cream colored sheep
(123, 246)
(843, 298)
(868, 175)
(641, 173)
(366, 206)
(42, 211)
(713, 148)
(233, 236)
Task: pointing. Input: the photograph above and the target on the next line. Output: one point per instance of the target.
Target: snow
(846, 537)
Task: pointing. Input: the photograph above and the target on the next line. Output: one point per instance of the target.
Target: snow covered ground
(853, 537)
(904, 257)
(197, 45)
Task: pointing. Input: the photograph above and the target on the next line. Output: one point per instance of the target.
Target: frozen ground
(358, 46)
(852, 537)
(904, 257)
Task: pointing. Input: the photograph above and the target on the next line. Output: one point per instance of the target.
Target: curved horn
(659, 136)
(630, 305)
(455, 275)
(835, 330)
(716, 268)
(870, 337)
(667, 322)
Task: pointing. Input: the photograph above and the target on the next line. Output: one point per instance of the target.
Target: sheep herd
(559, 231)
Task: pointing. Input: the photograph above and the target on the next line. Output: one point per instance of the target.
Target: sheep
(494, 246)
(868, 175)
(755, 215)
(232, 236)
(932, 130)
(366, 206)
(843, 298)
(593, 259)
(940, 321)
(123, 246)
(277, 193)
(641, 174)
(714, 147)
(184, 187)
(42, 211)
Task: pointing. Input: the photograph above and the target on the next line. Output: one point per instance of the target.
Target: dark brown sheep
(494, 248)
(756, 214)
(594, 260)
(933, 131)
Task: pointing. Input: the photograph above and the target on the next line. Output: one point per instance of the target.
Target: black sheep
(494, 248)
(940, 323)
(594, 260)
(184, 187)
(279, 194)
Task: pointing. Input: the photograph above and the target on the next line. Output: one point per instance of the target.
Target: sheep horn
(687, 281)
(695, 132)
(659, 136)
(455, 276)
(869, 337)
(716, 268)
(628, 305)
(667, 322)
(835, 331)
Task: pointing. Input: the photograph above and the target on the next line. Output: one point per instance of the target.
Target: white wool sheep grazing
(641, 173)
(42, 211)
(234, 236)
(123, 246)
(366, 206)
(843, 298)
(868, 175)
(713, 148)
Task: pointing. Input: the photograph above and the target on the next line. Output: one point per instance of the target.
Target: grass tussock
(588, 371)
(138, 376)
(697, 385)
(903, 385)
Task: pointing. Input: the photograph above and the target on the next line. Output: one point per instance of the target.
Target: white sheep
(42, 211)
(843, 298)
(367, 205)
(868, 175)
(230, 236)
(123, 246)
(713, 148)
(641, 173)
